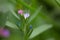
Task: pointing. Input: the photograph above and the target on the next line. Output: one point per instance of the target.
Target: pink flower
(4, 32)
(20, 11)
(26, 15)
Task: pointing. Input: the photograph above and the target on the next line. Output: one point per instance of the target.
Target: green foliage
(40, 29)
(44, 18)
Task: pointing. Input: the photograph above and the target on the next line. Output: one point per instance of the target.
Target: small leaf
(39, 30)
(9, 24)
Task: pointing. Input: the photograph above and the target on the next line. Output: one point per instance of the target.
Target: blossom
(20, 11)
(26, 15)
(30, 26)
(4, 32)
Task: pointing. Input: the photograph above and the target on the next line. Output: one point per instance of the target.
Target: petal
(26, 15)
(20, 11)
(30, 26)
(5, 33)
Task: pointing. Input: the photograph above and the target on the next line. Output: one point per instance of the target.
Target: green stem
(25, 31)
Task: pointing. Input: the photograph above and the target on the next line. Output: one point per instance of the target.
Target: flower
(20, 11)
(26, 15)
(30, 26)
(4, 32)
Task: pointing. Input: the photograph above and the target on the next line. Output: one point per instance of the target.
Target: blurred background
(44, 18)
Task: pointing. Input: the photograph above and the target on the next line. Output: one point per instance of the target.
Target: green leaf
(35, 14)
(12, 11)
(11, 25)
(58, 2)
(39, 30)
(25, 5)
